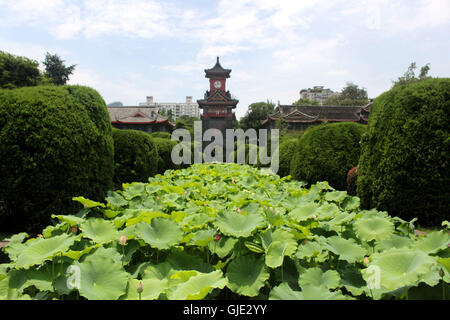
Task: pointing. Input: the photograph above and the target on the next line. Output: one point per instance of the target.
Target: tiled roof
(217, 70)
(135, 115)
(292, 113)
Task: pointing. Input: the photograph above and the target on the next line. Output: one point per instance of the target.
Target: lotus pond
(227, 231)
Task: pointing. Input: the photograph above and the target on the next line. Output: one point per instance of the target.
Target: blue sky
(130, 49)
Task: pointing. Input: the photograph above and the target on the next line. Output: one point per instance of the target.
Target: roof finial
(217, 59)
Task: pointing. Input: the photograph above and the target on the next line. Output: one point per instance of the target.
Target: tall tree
(16, 71)
(410, 75)
(256, 113)
(305, 102)
(351, 95)
(56, 69)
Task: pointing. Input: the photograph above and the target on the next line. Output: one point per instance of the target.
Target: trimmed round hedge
(326, 152)
(55, 144)
(135, 156)
(163, 135)
(286, 149)
(405, 155)
(165, 147)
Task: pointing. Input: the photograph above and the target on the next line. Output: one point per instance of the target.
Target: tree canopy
(305, 102)
(256, 113)
(16, 71)
(56, 70)
(410, 75)
(351, 95)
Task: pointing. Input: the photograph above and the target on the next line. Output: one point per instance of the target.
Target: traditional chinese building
(302, 117)
(218, 104)
(145, 119)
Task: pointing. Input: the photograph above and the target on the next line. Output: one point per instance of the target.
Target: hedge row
(55, 142)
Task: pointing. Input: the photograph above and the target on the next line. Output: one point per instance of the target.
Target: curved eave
(141, 122)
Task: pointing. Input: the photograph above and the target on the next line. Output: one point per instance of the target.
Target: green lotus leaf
(309, 292)
(151, 289)
(269, 236)
(202, 238)
(115, 200)
(346, 249)
(145, 216)
(41, 250)
(101, 278)
(351, 203)
(336, 196)
(88, 203)
(309, 250)
(277, 250)
(284, 292)
(373, 228)
(327, 211)
(433, 242)
(161, 233)
(223, 247)
(394, 241)
(198, 286)
(180, 260)
(159, 271)
(15, 245)
(304, 212)
(12, 286)
(100, 230)
(353, 281)
(238, 225)
(51, 231)
(397, 268)
(446, 224)
(70, 219)
(341, 218)
(133, 190)
(77, 254)
(316, 277)
(246, 275)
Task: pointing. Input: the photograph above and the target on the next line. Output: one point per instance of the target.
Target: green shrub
(164, 147)
(163, 135)
(327, 152)
(405, 155)
(286, 149)
(55, 143)
(135, 156)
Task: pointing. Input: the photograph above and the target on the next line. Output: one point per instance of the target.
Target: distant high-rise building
(187, 108)
(317, 93)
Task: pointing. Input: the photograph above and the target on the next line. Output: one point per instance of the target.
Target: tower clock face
(217, 84)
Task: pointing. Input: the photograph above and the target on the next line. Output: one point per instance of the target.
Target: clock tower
(217, 104)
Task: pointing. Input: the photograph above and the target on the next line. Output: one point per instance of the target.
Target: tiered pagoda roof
(136, 115)
(217, 71)
(292, 113)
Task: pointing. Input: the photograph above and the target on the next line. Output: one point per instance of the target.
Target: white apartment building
(317, 93)
(188, 108)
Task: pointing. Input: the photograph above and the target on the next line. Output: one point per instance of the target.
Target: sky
(128, 50)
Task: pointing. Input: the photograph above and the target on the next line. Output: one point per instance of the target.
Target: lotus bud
(140, 288)
(123, 240)
(40, 236)
(157, 197)
(74, 229)
(217, 237)
(441, 273)
(239, 210)
(366, 260)
(85, 206)
(185, 192)
(314, 216)
(233, 181)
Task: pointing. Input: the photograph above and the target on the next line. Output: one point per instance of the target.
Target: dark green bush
(159, 134)
(164, 147)
(405, 155)
(326, 152)
(286, 149)
(55, 143)
(135, 156)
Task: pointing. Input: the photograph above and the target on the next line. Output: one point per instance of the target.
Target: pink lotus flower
(123, 240)
(140, 288)
(366, 260)
(239, 210)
